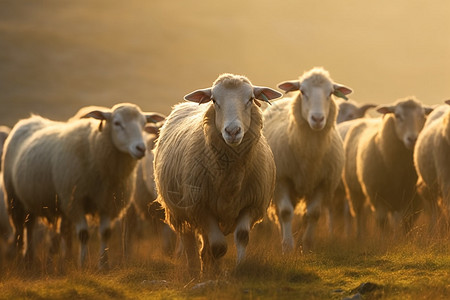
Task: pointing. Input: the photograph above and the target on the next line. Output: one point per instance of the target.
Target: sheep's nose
(140, 148)
(412, 140)
(234, 131)
(318, 118)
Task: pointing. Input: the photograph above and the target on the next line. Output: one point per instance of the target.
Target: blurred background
(59, 55)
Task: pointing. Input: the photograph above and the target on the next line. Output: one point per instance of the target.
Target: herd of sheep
(217, 163)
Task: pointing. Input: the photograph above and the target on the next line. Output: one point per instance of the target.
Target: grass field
(416, 267)
(59, 55)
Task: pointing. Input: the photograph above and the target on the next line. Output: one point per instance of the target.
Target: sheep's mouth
(137, 154)
(233, 141)
(317, 126)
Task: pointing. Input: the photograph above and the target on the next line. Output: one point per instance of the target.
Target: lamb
(379, 163)
(308, 151)
(350, 110)
(143, 207)
(432, 161)
(70, 169)
(214, 170)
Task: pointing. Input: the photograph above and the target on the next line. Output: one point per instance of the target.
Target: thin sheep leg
(83, 235)
(285, 212)
(241, 236)
(313, 209)
(105, 234)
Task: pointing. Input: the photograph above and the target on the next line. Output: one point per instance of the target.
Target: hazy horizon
(57, 56)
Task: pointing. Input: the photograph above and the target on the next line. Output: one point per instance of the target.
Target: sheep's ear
(152, 129)
(289, 86)
(385, 109)
(265, 94)
(429, 109)
(447, 101)
(341, 91)
(98, 114)
(362, 110)
(199, 96)
(154, 117)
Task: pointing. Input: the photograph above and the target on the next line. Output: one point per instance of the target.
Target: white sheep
(340, 210)
(350, 110)
(307, 149)
(214, 171)
(71, 169)
(143, 208)
(379, 163)
(5, 226)
(4, 132)
(432, 163)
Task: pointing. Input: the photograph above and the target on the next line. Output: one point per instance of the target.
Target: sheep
(379, 163)
(5, 226)
(308, 151)
(340, 210)
(350, 110)
(70, 169)
(4, 132)
(143, 207)
(214, 171)
(432, 161)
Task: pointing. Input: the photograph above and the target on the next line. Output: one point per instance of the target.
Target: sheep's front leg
(241, 235)
(30, 222)
(189, 242)
(105, 234)
(313, 210)
(285, 214)
(81, 228)
(216, 238)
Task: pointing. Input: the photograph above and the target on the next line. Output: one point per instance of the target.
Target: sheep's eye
(398, 117)
(118, 124)
(251, 99)
(213, 100)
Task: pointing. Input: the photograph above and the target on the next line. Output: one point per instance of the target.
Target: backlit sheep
(143, 208)
(214, 171)
(350, 110)
(54, 169)
(379, 163)
(5, 226)
(307, 149)
(432, 162)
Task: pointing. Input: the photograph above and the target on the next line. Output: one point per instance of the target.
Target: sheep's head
(126, 124)
(233, 97)
(409, 116)
(350, 110)
(316, 89)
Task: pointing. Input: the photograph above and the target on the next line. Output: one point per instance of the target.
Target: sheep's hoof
(218, 250)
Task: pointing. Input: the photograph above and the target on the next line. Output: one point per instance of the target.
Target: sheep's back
(351, 149)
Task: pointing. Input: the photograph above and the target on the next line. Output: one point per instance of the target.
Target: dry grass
(413, 267)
